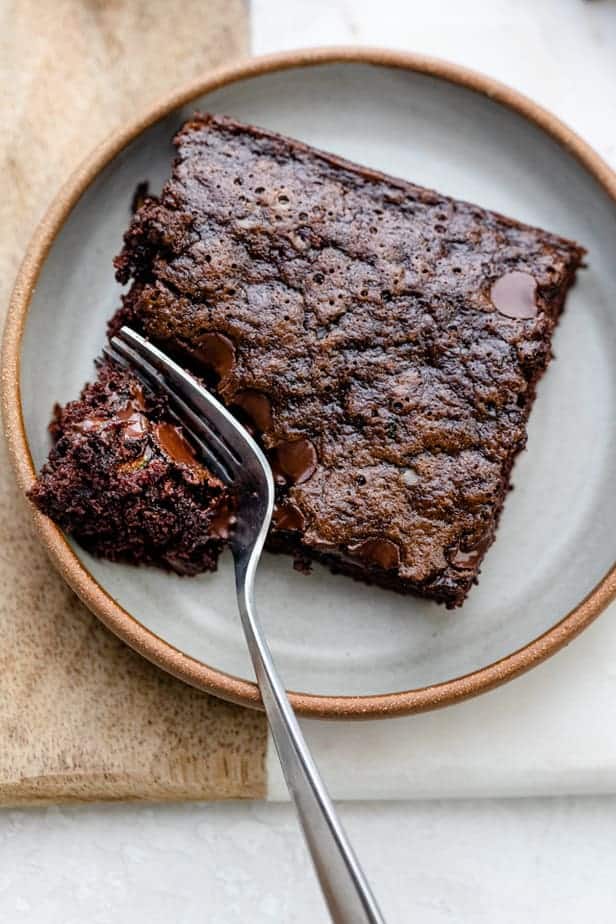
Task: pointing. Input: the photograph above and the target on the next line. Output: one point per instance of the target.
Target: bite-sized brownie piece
(123, 480)
(384, 340)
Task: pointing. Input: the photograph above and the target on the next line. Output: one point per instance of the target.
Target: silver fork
(232, 455)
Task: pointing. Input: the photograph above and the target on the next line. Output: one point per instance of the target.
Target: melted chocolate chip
(174, 445)
(257, 406)
(288, 516)
(382, 552)
(279, 477)
(514, 295)
(297, 460)
(223, 522)
(217, 351)
(134, 424)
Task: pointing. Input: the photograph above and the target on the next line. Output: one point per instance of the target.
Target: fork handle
(343, 883)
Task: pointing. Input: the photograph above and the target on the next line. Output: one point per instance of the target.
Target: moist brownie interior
(123, 479)
(383, 341)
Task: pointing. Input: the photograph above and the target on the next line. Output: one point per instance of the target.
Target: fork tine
(207, 412)
(214, 451)
(242, 457)
(222, 422)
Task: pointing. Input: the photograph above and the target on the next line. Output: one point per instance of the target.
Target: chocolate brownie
(384, 342)
(123, 480)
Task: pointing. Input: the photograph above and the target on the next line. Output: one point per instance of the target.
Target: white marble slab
(537, 862)
(560, 52)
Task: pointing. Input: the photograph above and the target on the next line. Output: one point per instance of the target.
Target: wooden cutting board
(81, 716)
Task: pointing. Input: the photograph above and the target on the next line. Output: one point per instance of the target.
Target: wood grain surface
(81, 716)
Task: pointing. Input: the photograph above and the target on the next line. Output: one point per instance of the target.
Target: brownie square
(383, 341)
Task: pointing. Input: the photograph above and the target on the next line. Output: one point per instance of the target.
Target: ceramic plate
(355, 650)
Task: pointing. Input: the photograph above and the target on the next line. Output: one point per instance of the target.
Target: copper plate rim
(64, 558)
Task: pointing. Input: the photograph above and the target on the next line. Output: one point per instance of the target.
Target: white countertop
(507, 862)
(542, 860)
